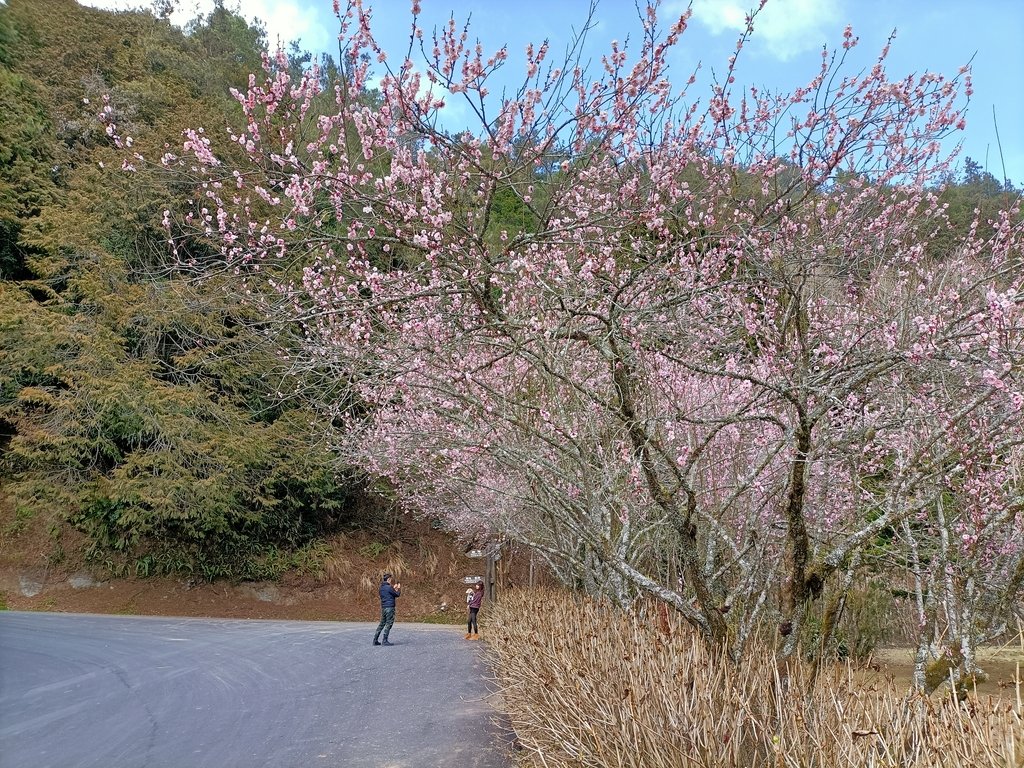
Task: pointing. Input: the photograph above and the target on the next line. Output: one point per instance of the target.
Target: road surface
(80, 691)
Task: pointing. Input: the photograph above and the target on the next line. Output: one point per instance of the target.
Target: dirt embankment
(42, 572)
(294, 597)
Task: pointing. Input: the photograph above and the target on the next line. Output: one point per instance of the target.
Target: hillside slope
(41, 569)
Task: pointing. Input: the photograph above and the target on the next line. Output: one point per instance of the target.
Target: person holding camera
(389, 591)
(474, 600)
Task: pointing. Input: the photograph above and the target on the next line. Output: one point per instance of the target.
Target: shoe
(386, 642)
(376, 642)
(475, 637)
(469, 636)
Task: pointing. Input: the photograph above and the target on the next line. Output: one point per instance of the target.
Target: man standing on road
(388, 592)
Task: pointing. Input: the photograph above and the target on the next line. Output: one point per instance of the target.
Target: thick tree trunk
(803, 584)
(682, 520)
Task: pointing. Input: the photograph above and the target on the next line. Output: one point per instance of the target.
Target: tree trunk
(802, 584)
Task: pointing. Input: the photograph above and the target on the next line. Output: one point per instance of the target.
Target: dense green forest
(136, 406)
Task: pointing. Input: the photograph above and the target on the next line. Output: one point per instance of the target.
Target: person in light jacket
(389, 592)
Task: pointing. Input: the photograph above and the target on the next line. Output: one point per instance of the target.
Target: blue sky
(934, 35)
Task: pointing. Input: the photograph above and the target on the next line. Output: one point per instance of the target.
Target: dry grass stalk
(396, 564)
(430, 562)
(337, 567)
(585, 684)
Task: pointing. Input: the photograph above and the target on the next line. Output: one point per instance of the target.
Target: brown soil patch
(1004, 665)
(296, 597)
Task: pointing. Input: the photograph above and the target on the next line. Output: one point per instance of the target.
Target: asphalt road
(82, 691)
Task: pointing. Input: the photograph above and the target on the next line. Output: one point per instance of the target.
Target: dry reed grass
(395, 563)
(430, 562)
(385, 559)
(369, 582)
(337, 567)
(586, 685)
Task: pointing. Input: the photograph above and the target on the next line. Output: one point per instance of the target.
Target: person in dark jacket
(475, 601)
(389, 591)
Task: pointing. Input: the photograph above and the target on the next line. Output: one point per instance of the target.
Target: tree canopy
(731, 352)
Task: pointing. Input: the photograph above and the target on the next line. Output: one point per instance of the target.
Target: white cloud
(285, 20)
(290, 20)
(785, 27)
